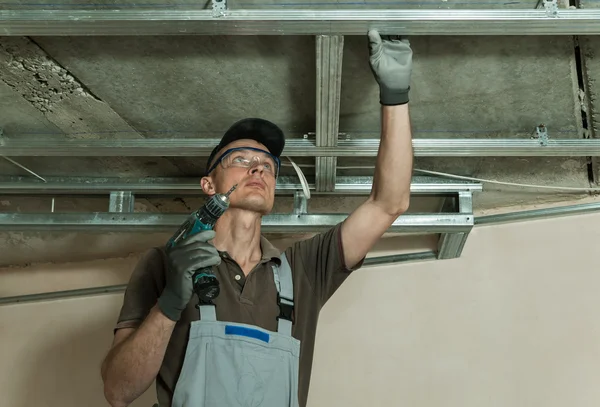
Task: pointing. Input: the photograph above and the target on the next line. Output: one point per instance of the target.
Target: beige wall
(512, 323)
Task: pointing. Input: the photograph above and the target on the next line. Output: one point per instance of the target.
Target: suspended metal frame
(329, 56)
(276, 223)
(329, 26)
(453, 223)
(286, 185)
(450, 245)
(299, 148)
(137, 22)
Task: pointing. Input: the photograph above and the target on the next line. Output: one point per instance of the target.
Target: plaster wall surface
(512, 322)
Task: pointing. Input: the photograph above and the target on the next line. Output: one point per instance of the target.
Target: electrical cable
(515, 184)
(302, 178)
(488, 181)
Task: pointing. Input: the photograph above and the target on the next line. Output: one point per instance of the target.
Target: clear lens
(247, 158)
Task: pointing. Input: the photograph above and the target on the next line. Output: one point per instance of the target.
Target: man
(254, 345)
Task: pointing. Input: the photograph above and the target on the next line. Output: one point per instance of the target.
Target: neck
(238, 234)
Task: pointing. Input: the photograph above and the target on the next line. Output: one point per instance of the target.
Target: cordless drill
(205, 283)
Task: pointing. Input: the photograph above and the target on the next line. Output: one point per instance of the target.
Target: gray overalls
(239, 365)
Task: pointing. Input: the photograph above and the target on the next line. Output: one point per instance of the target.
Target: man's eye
(239, 159)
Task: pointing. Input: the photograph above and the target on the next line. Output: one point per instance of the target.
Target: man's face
(256, 185)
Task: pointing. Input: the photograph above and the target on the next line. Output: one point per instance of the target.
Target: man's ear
(207, 186)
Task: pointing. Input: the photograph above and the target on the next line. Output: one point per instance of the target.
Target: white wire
(487, 181)
(302, 178)
(516, 184)
(490, 181)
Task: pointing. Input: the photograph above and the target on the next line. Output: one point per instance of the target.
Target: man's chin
(257, 206)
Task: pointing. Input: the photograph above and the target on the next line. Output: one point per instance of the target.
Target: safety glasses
(248, 157)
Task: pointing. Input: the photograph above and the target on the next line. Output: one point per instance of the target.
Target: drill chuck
(212, 210)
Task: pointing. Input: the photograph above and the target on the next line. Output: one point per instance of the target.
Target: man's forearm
(393, 172)
(131, 366)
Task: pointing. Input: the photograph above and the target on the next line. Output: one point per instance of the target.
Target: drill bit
(231, 190)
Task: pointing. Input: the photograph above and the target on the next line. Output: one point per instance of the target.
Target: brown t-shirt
(318, 269)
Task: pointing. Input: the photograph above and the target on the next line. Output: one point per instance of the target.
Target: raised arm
(391, 63)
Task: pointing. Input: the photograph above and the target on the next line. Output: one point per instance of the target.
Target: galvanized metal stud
(286, 185)
(302, 148)
(551, 7)
(541, 134)
(219, 8)
(121, 202)
(329, 56)
(300, 203)
(450, 245)
(177, 21)
(275, 223)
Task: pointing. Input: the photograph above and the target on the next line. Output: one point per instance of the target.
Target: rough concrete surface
(485, 85)
(591, 54)
(64, 102)
(471, 87)
(36, 77)
(195, 86)
(590, 50)
(180, 87)
(17, 115)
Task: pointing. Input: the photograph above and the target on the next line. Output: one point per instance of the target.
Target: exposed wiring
(23, 167)
(515, 184)
(487, 181)
(302, 178)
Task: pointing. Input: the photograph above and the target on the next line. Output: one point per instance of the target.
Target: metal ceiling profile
(286, 185)
(453, 223)
(329, 56)
(276, 223)
(517, 147)
(40, 22)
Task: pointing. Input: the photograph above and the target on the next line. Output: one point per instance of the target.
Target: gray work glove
(390, 59)
(190, 254)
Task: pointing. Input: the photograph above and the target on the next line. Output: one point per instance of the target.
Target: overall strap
(207, 312)
(285, 295)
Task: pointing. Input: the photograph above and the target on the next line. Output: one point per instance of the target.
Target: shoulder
(316, 243)
(152, 263)
(154, 256)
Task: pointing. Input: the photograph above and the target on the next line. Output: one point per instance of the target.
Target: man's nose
(257, 166)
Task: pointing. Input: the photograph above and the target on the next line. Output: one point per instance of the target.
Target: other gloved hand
(390, 59)
(190, 254)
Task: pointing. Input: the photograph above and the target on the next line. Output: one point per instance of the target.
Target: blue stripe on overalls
(239, 365)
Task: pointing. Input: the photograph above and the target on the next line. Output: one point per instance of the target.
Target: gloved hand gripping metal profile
(191, 259)
(390, 59)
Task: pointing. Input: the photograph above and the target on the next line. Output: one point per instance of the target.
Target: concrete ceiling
(190, 87)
